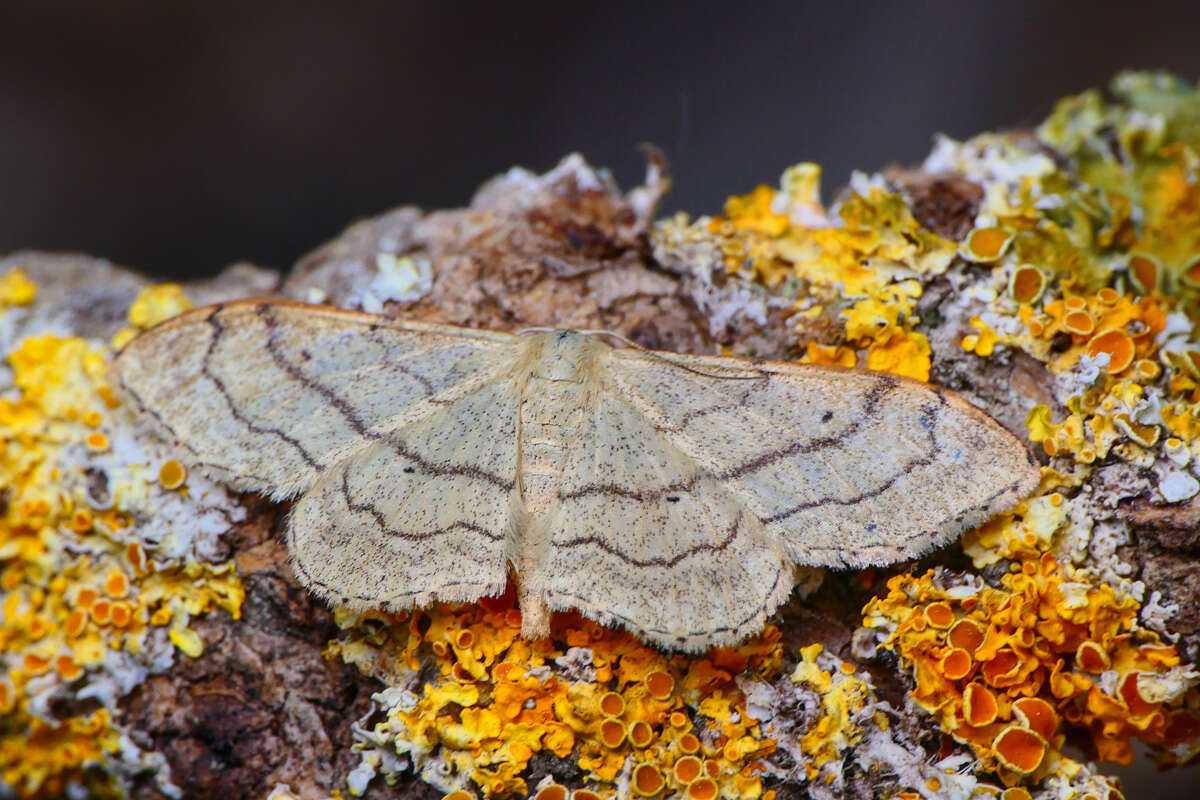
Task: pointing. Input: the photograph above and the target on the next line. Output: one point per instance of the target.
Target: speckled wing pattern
(378, 423)
(673, 495)
(703, 480)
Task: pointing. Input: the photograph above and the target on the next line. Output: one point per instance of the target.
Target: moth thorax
(551, 411)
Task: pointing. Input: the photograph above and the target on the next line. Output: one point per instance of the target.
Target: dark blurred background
(176, 137)
(179, 136)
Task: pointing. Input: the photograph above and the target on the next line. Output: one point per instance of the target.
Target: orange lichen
(116, 584)
(986, 244)
(660, 684)
(633, 713)
(1026, 284)
(1019, 749)
(1037, 715)
(1145, 273)
(1079, 323)
(1117, 345)
(1091, 657)
(647, 780)
(687, 769)
(1039, 640)
(979, 705)
(939, 615)
(612, 704)
(702, 789)
(640, 734)
(612, 733)
(172, 474)
(552, 791)
(966, 634)
(956, 664)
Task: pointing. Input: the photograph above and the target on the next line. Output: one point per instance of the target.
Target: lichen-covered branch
(154, 642)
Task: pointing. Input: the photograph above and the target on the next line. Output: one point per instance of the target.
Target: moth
(674, 495)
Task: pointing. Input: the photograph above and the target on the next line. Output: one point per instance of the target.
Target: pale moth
(674, 495)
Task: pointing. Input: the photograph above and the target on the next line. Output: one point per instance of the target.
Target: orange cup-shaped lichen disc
(612, 733)
(986, 244)
(612, 704)
(689, 743)
(1144, 272)
(1148, 369)
(81, 522)
(1019, 749)
(464, 639)
(120, 614)
(687, 769)
(116, 584)
(1108, 296)
(34, 663)
(458, 794)
(1091, 657)
(1037, 715)
(679, 720)
(1027, 284)
(640, 733)
(1003, 668)
(552, 791)
(660, 684)
(1190, 362)
(966, 634)
(1117, 344)
(956, 664)
(712, 767)
(1075, 303)
(67, 668)
(586, 794)
(702, 789)
(1191, 275)
(100, 611)
(1080, 323)
(76, 620)
(1016, 793)
(647, 780)
(461, 673)
(136, 556)
(939, 614)
(85, 598)
(1127, 687)
(172, 474)
(979, 705)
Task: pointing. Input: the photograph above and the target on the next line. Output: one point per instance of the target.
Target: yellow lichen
(77, 583)
(841, 695)
(16, 289)
(152, 305)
